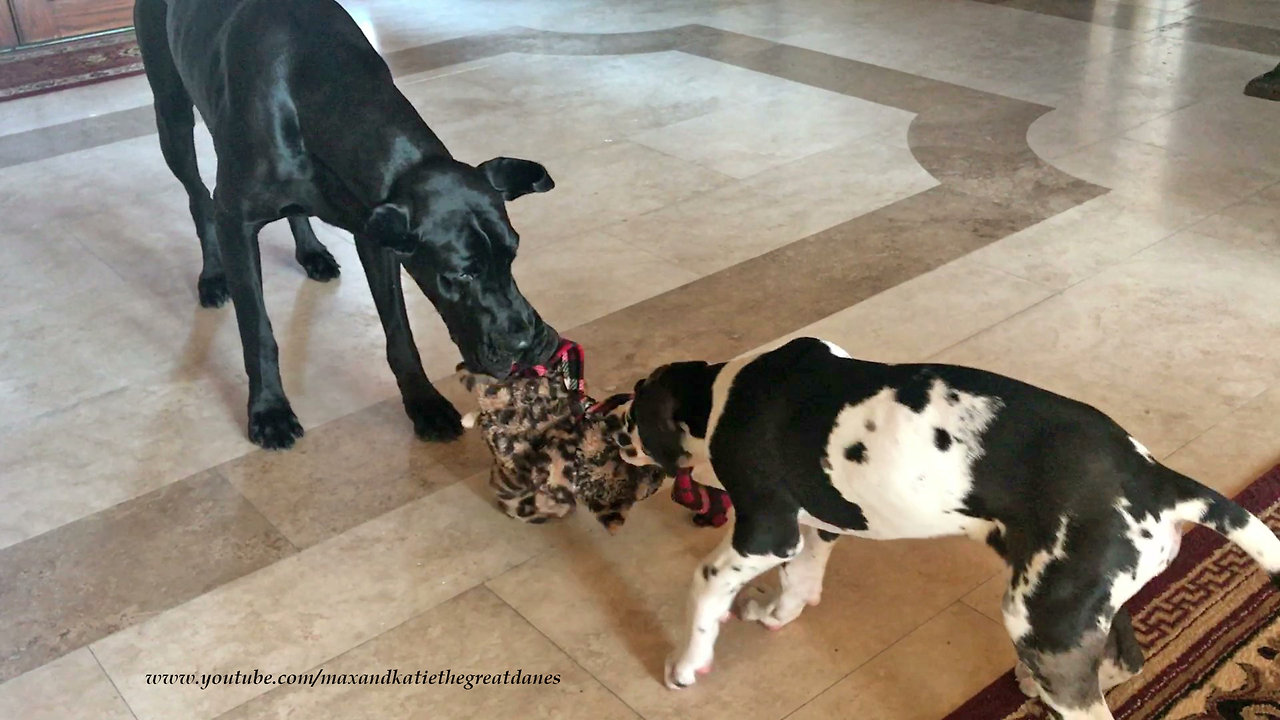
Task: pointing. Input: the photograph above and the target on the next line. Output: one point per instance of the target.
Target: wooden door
(39, 20)
(8, 31)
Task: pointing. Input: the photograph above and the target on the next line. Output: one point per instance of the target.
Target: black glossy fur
(306, 121)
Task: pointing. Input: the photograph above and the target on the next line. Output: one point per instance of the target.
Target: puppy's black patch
(856, 452)
(870, 426)
(941, 439)
(1146, 534)
(953, 397)
(828, 536)
(914, 392)
(995, 539)
(709, 571)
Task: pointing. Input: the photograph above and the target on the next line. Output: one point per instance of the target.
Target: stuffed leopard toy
(553, 447)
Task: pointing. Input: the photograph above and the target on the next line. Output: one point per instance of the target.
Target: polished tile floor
(1074, 193)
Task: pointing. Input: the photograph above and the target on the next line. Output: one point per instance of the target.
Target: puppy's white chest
(910, 470)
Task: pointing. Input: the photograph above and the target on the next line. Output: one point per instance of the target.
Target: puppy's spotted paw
(1026, 683)
(757, 604)
(680, 675)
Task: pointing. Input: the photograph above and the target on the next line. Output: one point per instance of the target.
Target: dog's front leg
(801, 580)
(272, 423)
(434, 417)
(715, 583)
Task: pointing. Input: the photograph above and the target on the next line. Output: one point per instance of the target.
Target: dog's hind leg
(1123, 656)
(309, 252)
(801, 583)
(739, 559)
(1068, 678)
(1060, 619)
(175, 122)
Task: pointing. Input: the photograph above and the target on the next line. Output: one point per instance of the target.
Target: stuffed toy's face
(549, 454)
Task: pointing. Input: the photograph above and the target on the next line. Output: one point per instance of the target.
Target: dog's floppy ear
(514, 177)
(654, 408)
(388, 225)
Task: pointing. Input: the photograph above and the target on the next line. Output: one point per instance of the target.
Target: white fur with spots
(888, 460)
(716, 582)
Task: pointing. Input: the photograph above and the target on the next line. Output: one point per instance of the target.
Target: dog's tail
(1205, 506)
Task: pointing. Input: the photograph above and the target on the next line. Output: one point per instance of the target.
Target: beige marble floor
(1079, 197)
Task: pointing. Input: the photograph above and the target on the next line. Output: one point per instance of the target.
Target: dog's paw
(274, 428)
(1026, 682)
(757, 604)
(213, 291)
(319, 264)
(679, 675)
(434, 418)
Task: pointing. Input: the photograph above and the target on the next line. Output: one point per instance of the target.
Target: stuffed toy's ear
(514, 177)
(388, 225)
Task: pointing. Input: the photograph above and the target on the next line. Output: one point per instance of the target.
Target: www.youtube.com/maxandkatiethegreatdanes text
(392, 676)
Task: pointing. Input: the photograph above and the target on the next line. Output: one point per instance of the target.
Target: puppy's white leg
(801, 584)
(715, 583)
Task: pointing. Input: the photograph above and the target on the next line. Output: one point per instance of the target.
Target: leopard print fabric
(550, 453)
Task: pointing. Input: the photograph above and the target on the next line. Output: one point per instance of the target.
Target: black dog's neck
(358, 176)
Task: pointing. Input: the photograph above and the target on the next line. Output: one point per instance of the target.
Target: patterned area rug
(1210, 626)
(63, 65)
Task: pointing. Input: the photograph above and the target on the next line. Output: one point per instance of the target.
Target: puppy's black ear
(388, 225)
(654, 408)
(514, 177)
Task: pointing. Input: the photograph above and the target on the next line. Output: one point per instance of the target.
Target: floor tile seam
(214, 472)
(1156, 30)
(111, 680)
(1183, 156)
(724, 178)
(218, 472)
(361, 644)
(934, 356)
(458, 592)
(893, 644)
(1220, 422)
(1118, 262)
(1111, 135)
(534, 626)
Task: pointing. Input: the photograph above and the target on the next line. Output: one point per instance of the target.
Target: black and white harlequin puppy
(811, 444)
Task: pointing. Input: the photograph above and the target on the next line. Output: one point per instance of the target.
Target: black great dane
(306, 122)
